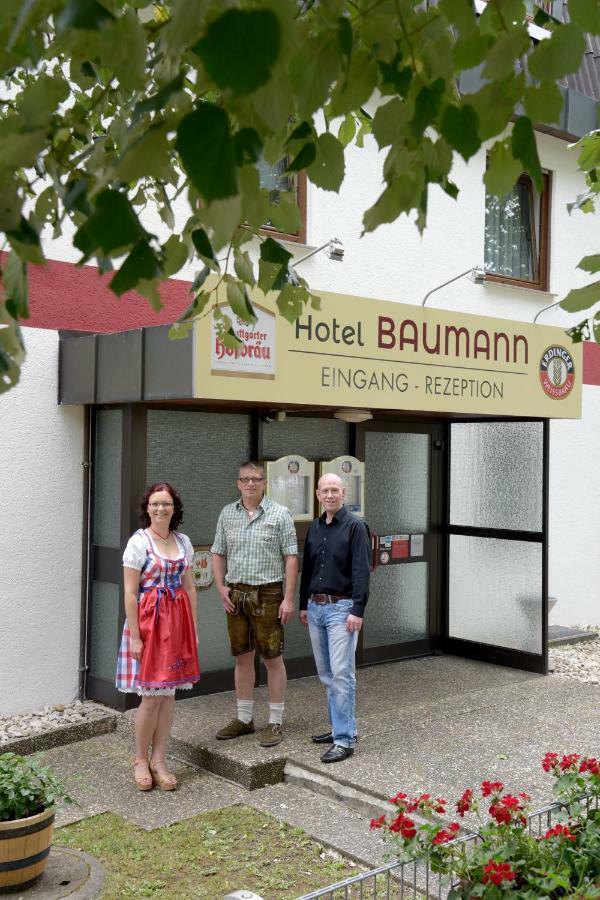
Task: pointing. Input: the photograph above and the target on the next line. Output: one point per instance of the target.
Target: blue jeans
(334, 650)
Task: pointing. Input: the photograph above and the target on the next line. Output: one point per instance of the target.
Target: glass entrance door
(497, 543)
(403, 506)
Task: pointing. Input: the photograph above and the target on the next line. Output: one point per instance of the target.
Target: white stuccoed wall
(41, 447)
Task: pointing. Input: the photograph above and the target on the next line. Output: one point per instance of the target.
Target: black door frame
(518, 659)
(434, 538)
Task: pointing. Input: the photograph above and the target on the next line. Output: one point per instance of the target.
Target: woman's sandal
(143, 780)
(166, 782)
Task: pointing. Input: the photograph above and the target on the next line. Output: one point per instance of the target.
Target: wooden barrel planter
(24, 848)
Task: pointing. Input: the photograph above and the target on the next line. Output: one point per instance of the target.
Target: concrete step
(368, 805)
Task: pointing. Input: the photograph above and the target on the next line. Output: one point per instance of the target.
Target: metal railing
(414, 880)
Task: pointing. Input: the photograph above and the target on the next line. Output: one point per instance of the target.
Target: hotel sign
(382, 355)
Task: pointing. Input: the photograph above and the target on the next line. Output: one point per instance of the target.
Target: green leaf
(243, 267)
(142, 264)
(149, 156)
(558, 55)
(240, 48)
(12, 354)
(470, 51)
(222, 217)
(581, 298)
(273, 270)
(16, 288)
(543, 103)
(402, 195)
(347, 130)
(247, 145)
(207, 154)
(313, 68)
(596, 328)
(255, 201)
(509, 47)
(589, 151)
(389, 122)
(158, 100)
(503, 170)
(586, 14)
(123, 49)
(203, 245)
(524, 148)
(25, 241)
(239, 300)
(460, 128)
(344, 36)
(87, 15)
(112, 226)
(291, 302)
(495, 103)
(358, 86)
(285, 214)
(304, 159)
(175, 255)
(39, 100)
(460, 13)
(327, 171)
(427, 106)
(590, 264)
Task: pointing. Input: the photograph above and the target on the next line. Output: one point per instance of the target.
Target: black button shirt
(336, 560)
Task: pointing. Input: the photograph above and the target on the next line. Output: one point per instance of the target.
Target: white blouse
(136, 550)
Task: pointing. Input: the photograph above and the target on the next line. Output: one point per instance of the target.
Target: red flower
(445, 835)
(549, 762)
(524, 797)
(510, 802)
(560, 831)
(497, 872)
(377, 823)
(500, 813)
(399, 799)
(465, 803)
(490, 787)
(591, 765)
(404, 825)
(569, 760)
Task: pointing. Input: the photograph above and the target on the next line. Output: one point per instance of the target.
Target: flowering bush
(506, 859)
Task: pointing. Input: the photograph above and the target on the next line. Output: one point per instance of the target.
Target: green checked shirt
(255, 548)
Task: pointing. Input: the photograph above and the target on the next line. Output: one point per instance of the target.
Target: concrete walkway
(438, 724)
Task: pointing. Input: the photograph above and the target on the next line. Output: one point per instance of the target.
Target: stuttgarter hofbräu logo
(557, 372)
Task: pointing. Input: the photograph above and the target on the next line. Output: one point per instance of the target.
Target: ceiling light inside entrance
(353, 415)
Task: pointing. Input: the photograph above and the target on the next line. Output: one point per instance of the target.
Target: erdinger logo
(557, 372)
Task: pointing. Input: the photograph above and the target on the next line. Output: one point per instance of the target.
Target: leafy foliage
(26, 787)
(108, 106)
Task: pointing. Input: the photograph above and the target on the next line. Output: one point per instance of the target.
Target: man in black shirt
(334, 589)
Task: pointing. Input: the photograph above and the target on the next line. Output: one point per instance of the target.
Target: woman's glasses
(160, 505)
(248, 480)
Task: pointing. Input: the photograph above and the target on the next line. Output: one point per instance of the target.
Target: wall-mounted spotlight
(333, 248)
(476, 275)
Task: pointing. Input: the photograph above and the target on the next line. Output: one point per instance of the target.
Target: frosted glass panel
(396, 482)
(199, 453)
(496, 592)
(107, 478)
(397, 607)
(311, 438)
(213, 646)
(103, 630)
(496, 475)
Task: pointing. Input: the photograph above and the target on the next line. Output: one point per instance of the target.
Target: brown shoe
(235, 729)
(271, 735)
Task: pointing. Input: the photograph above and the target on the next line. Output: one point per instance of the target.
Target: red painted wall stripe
(77, 298)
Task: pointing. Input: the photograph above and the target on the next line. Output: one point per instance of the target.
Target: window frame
(300, 236)
(541, 283)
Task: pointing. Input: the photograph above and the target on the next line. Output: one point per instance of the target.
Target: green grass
(207, 856)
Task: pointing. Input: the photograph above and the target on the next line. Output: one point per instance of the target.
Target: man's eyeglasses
(160, 505)
(248, 480)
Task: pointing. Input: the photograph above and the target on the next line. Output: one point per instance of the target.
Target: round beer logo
(557, 372)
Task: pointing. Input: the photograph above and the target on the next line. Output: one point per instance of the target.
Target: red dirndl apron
(170, 654)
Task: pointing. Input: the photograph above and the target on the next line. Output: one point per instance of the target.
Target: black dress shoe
(336, 753)
(325, 738)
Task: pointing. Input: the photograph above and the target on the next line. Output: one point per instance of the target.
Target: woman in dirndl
(159, 647)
